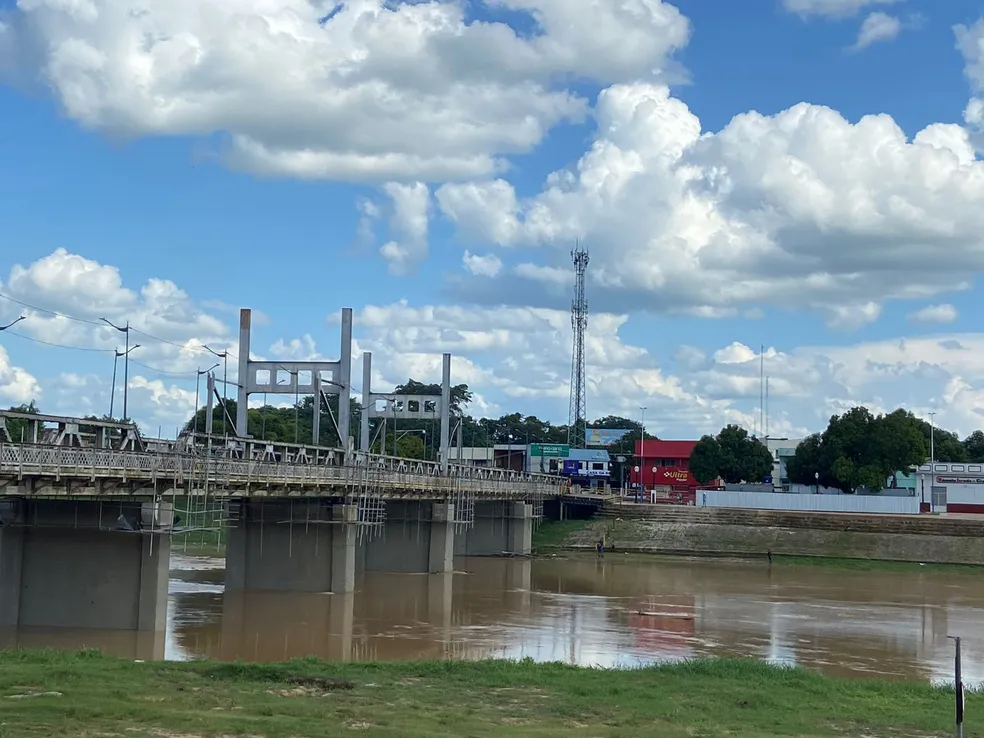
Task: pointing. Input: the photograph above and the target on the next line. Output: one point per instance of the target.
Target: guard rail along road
(251, 469)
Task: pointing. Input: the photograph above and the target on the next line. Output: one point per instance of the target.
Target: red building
(671, 459)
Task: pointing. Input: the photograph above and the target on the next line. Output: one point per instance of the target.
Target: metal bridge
(81, 458)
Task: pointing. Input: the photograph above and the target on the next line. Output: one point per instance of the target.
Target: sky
(799, 175)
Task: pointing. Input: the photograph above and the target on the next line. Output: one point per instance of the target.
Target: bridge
(88, 507)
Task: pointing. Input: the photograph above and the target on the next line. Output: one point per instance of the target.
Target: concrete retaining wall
(837, 536)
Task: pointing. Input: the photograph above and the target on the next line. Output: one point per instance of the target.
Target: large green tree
(732, 455)
(705, 460)
(859, 449)
(974, 447)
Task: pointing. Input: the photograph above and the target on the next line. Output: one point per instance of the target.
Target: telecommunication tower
(577, 422)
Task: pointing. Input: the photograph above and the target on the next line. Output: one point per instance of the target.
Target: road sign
(556, 450)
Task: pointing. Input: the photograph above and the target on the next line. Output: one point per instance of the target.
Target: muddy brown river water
(619, 611)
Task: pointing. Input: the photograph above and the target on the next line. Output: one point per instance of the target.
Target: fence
(815, 503)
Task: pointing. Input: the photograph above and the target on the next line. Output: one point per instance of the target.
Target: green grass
(826, 562)
(104, 696)
(554, 533)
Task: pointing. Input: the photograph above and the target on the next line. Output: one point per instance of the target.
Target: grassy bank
(107, 696)
(555, 533)
(827, 562)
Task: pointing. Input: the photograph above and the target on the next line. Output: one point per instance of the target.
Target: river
(619, 611)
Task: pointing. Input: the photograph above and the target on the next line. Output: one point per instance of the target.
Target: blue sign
(604, 436)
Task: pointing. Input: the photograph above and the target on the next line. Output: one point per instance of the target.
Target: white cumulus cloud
(800, 208)
(488, 265)
(370, 90)
(877, 27)
(935, 314)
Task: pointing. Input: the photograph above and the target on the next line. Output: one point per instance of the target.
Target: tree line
(858, 449)
(861, 449)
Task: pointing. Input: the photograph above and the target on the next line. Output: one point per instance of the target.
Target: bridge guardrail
(364, 471)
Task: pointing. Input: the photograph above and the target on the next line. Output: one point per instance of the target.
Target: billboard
(557, 450)
(604, 436)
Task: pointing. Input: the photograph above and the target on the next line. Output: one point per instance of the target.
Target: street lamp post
(642, 451)
(13, 323)
(932, 440)
(198, 384)
(126, 360)
(116, 357)
(224, 355)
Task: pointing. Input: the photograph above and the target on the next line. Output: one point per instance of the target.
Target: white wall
(815, 503)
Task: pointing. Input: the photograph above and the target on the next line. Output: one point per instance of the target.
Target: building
(586, 466)
(664, 464)
(950, 487)
(472, 455)
(503, 456)
(782, 449)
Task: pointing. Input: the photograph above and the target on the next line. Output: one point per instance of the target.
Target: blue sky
(274, 178)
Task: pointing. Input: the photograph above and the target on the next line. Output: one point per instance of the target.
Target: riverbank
(752, 534)
(88, 694)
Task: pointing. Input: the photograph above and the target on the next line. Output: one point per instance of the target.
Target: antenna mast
(762, 389)
(577, 422)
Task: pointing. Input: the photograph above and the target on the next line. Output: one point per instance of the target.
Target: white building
(782, 450)
(951, 487)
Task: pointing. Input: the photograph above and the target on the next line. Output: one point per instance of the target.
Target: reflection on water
(586, 611)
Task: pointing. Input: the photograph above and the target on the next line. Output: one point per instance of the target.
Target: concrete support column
(520, 529)
(11, 554)
(343, 548)
(155, 569)
(441, 557)
(293, 546)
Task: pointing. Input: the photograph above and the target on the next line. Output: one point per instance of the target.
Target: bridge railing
(362, 473)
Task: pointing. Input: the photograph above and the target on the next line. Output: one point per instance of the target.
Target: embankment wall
(715, 532)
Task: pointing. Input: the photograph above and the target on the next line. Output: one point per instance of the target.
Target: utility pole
(932, 438)
(126, 360)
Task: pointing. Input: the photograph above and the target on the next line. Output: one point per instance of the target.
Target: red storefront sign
(677, 478)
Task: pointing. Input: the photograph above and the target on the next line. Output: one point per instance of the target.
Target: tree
(733, 455)
(705, 460)
(460, 394)
(858, 449)
(16, 427)
(974, 447)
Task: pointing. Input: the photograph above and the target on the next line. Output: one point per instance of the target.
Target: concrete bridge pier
(500, 529)
(417, 537)
(300, 546)
(68, 564)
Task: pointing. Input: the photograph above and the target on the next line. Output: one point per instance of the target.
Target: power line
(9, 332)
(99, 324)
(50, 312)
(163, 371)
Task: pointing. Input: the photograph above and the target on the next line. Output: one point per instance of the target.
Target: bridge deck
(39, 470)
